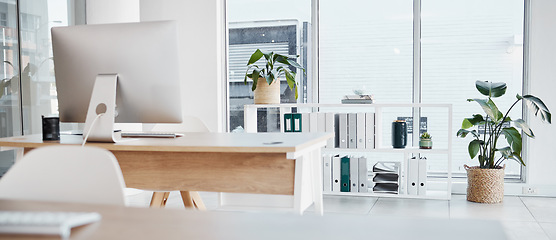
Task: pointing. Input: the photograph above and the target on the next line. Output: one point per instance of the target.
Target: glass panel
(467, 41)
(285, 30)
(38, 83)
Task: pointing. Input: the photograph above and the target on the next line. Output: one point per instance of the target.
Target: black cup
(399, 134)
(50, 128)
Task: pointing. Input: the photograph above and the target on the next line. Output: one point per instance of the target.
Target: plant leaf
(491, 89)
(255, 78)
(255, 57)
(290, 78)
(474, 147)
(489, 107)
(520, 123)
(514, 139)
(537, 105)
(463, 133)
(470, 122)
(508, 154)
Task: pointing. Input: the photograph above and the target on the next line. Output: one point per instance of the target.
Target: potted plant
(425, 141)
(275, 65)
(486, 181)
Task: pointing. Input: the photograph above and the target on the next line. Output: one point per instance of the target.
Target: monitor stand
(103, 103)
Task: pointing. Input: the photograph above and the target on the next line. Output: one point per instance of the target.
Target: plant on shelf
(486, 147)
(275, 65)
(425, 141)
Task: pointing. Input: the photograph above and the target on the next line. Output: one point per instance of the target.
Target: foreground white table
(149, 223)
(261, 163)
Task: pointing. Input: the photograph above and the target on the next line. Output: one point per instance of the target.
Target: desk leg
(192, 200)
(159, 199)
(316, 172)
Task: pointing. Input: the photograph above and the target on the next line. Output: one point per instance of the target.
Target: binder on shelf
(296, 120)
(329, 127)
(288, 123)
(360, 130)
(321, 122)
(342, 130)
(422, 180)
(363, 175)
(313, 122)
(412, 176)
(344, 174)
(336, 173)
(327, 173)
(369, 130)
(354, 174)
(352, 130)
(304, 122)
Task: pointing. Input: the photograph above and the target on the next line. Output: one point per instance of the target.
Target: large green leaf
(255, 77)
(474, 147)
(508, 154)
(520, 123)
(290, 78)
(255, 57)
(538, 106)
(477, 119)
(463, 133)
(491, 89)
(514, 139)
(490, 108)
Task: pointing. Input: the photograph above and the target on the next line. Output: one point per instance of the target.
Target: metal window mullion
(315, 50)
(526, 87)
(416, 68)
(20, 62)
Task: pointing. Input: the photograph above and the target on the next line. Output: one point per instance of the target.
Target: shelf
(384, 149)
(431, 194)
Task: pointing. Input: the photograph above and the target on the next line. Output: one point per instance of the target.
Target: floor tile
(346, 204)
(524, 231)
(549, 229)
(511, 209)
(415, 208)
(542, 208)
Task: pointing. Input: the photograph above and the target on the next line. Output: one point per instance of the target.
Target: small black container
(399, 134)
(50, 128)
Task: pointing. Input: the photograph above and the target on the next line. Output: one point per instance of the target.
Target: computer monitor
(141, 56)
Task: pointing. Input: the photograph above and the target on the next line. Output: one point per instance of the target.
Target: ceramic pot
(485, 185)
(425, 143)
(267, 94)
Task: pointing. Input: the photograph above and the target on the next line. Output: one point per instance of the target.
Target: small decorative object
(50, 128)
(358, 98)
(275, 64)
(486, 181)
(425, 141)
(399, 134)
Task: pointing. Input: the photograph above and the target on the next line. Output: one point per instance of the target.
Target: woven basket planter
(485, 185)
(267, 94)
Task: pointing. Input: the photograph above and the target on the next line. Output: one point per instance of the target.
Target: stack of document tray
(386, 177)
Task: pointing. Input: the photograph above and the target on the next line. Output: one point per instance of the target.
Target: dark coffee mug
(399, 134)
(50, 128)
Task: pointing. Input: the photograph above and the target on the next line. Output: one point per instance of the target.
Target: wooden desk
(145, 223)
(262, 163)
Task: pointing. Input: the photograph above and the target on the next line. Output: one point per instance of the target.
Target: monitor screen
(144, 56)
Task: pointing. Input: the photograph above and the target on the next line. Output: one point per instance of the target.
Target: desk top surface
(191, 142)
(144, 223)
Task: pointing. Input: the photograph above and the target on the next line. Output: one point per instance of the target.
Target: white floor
(523, 217)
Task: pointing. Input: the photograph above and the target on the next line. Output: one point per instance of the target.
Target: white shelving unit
(442, 192)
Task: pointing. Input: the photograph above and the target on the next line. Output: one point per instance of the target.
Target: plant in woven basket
(496, 124)
(275, 64)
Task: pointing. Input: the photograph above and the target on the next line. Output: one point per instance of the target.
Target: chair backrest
(65, 174)
(189, 124)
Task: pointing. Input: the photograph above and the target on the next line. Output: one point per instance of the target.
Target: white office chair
(190, 124)
(65, 174)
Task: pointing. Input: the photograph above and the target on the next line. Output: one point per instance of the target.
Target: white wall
(542, 157)
(112, 11)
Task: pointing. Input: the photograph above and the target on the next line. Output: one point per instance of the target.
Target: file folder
(370, 130)
(412, 176)
(363, 175)
(327, 173)
(342, 130)
(304, 122)
(330, 124)
(313, 122)
(354, 174)
(422, 176)
(344, 174)
(288, 122)
(360, 130)
(296, 120)
(321, 122)
(352, 130)
(336, 173)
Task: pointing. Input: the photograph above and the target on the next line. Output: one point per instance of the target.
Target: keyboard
(151, 134)
(44, 223)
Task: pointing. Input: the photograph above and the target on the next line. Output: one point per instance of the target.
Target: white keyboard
(44, 223)
(151, 134)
